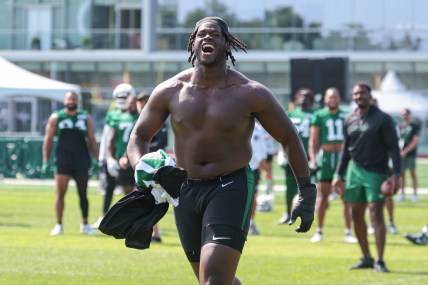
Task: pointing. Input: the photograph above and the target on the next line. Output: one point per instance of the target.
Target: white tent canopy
(393, 96)
(16, 81)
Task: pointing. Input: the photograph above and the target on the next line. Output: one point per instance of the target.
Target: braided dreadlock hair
(230, 39)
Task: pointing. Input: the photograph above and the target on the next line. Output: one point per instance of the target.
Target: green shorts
(327, 162)
(408, 162)
(363, 186)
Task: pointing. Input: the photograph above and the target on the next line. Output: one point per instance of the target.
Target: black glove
(305, 206)
(170, 178)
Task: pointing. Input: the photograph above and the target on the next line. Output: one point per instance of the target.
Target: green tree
(213, 8)
(285, 17)
(354, 37)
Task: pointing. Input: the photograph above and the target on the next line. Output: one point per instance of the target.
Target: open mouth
(207, 48)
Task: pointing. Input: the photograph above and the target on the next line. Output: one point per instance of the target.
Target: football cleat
(87, 230)
(380, 267)
(317, 237)
(365, 262)
(419, 239)
(349, 238)
(57, 230)
(284, 219)
(392, 229)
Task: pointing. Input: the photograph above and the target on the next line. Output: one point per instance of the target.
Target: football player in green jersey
(107, 181)
(120, 130)
(301, 117)
(325, 142)
(75, 133)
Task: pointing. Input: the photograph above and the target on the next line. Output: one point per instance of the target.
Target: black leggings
(108, 184)
(82, 186)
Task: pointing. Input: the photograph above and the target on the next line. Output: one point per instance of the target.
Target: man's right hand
(338, 186)
(113, 167)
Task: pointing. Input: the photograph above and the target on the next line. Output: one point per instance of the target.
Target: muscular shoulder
(240, 79)
(172, 85)
(53, 118)
(254, 90)
(178, 80)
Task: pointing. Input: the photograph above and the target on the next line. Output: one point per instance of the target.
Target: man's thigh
(363, 186)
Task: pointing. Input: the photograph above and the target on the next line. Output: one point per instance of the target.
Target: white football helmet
(121, 93)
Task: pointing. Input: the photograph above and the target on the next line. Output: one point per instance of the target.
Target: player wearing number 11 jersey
(325, 143)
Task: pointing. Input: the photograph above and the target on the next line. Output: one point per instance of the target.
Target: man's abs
(210, 163)
(332, 147)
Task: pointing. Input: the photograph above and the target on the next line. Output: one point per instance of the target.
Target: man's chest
(210, 109)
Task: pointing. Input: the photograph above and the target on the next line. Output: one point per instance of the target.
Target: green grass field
(421, 173)
(29, 255)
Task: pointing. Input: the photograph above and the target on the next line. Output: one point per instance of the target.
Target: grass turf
(28, 255)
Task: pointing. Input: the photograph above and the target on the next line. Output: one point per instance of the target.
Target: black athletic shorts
(71, 164)
(126, 177)
(216, 210)
(256, 173)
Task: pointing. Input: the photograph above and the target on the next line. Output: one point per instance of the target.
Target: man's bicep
(151, 120)
(314, 133)
(51, 127)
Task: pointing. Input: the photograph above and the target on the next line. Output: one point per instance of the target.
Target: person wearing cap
(120, 129)
(119, 120)
(212, 110)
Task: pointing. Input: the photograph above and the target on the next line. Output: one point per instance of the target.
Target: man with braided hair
(231, 41)
(212, 111)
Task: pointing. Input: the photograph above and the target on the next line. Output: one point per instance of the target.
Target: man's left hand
(305, 208)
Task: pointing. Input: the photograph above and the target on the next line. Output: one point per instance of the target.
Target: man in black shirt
(370, 140)
(409, 139)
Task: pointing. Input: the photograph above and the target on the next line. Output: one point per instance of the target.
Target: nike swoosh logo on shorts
(217, 238)
(224, 185)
